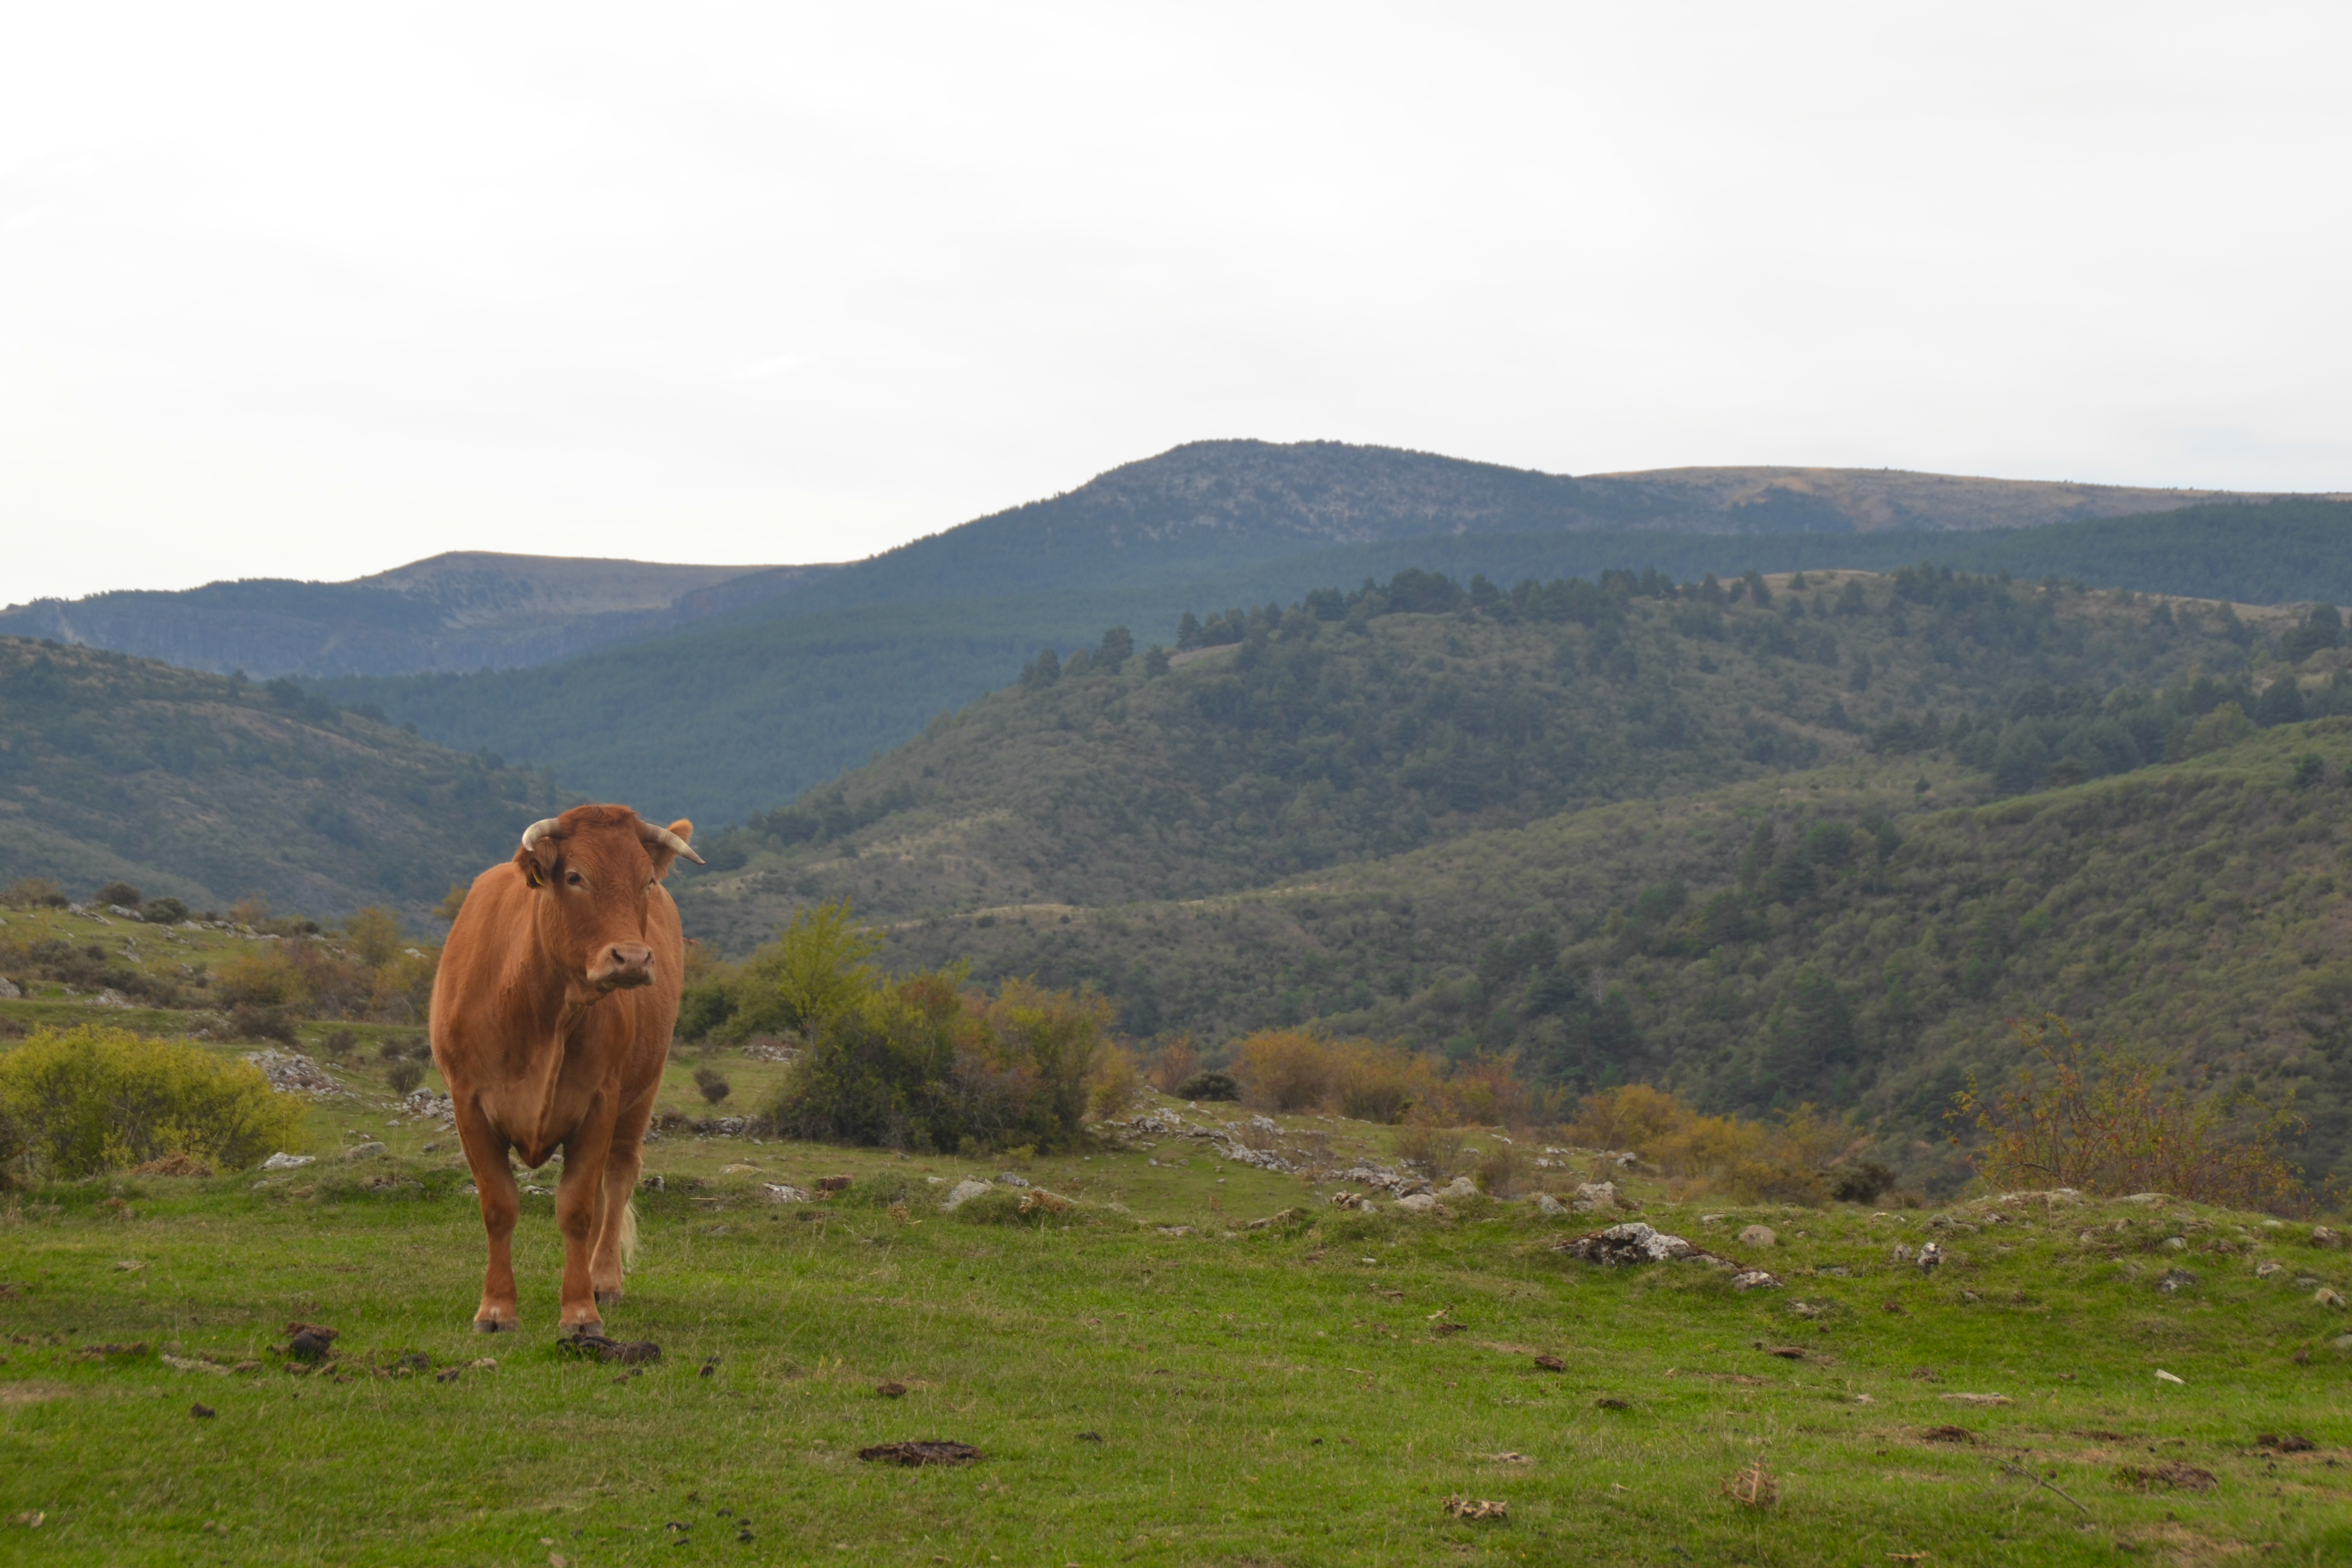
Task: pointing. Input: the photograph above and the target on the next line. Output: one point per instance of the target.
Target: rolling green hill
(1356, 726)
(206, 789)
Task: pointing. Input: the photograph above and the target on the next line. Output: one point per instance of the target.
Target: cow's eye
(576, 879)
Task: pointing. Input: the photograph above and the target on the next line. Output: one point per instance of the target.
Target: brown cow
(552, 1018)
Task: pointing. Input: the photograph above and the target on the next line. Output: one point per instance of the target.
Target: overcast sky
(313, 291)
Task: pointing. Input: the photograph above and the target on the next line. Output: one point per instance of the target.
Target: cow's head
(593, 869)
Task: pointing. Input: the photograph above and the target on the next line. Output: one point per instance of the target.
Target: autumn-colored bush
(1116, 1082)
(2104, 1122)
(1284, 1069)
(1800, 1157)
(1175, 1062)
(1294, 1070)
(89, 1100)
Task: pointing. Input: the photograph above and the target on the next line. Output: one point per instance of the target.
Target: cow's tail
(628, 1233)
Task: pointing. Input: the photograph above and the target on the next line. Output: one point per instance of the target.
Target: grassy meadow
(1153, 1378)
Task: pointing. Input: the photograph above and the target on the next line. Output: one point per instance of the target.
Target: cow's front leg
(485, 1152)
(580, 1214)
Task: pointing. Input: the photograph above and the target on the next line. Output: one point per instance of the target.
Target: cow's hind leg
(616, 1239)
(486, 1153)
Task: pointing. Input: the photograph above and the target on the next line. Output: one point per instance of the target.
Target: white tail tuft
(628, 1233)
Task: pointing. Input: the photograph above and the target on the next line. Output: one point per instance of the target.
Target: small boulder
(963, 1192)
(1418, 1202)
(2267, 1268)
(1758, 1235)
(2174, 1280)
(782, 1193)
(1593, 1196)
(2323, 1236)
(1459, 1187)
(1754, 1279)
(1548, 1204)
(281, 1161)
(367, 1150)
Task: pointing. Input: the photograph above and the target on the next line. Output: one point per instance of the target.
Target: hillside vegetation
(209, 788)
(1815, 936)
(746, 713)
(1353, 726)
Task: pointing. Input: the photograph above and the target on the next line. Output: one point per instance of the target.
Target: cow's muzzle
(623, 966)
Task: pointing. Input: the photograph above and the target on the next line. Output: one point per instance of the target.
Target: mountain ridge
(1197, 510)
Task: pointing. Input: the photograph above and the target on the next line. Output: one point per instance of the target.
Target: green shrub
(164, 911)
(1209, 1085)
(404, 1076)
(92, 1099)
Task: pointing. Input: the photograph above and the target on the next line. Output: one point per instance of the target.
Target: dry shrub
(1116, 1082)
(2102, 1122)
(1754, 1486)
(1501, 1170)
(1284, 1069)
(1176, 1061)
(1379, 1083)
(1293, 1070)
(1443, 1151)
(1797, 1159)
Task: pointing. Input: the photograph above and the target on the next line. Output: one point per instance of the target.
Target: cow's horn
(678, 846)
(539, 830)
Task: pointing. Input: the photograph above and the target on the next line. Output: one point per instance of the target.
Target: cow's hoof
(606, 1297)
(593, 1327)
(494, 1326)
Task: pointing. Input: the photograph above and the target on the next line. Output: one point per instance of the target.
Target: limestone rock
(1758, 1235)
(963, 1192)
(1754, 1279)
(367, 1150)
(1631, 1243)
(1459, 1187)
(1548, 1204)
(1418, 1202)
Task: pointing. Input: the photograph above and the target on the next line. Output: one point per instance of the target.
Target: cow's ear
(664, 855)
(536, 862)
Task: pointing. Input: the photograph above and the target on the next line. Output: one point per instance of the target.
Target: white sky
(312, 291)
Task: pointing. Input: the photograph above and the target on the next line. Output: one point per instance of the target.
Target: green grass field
(1280, 1394)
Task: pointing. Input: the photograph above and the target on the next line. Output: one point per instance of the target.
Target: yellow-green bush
(92, 1099)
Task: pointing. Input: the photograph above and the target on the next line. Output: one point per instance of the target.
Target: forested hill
(1361, 724)
(1841, 936)
(208, 788)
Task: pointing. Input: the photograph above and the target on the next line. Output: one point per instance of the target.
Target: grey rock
(2174, 1280)
(367, 1150)
(962, 1192)
(8, 991)
(2267, 1268)
(1009, 1180)
(281, 1161)
(1547, 1204)
(1459, 1187)
(782, 1193)
(1418, 1202)
(1631, 1243)
(1758, 1235)
(1754, 1279)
